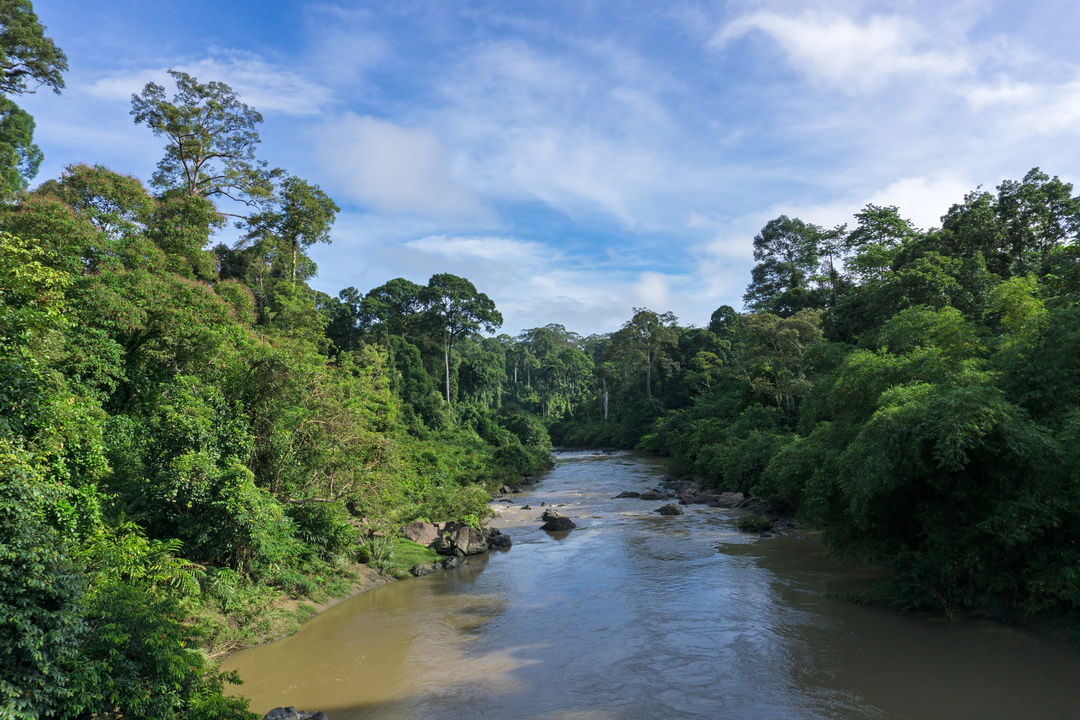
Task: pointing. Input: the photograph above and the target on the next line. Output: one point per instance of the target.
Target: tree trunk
(293, 279)
(648, 373)
(605, 399)
(446, 357)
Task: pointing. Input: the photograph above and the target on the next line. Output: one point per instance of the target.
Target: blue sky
(578, 159)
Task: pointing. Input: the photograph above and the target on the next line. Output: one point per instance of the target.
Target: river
(637, 615)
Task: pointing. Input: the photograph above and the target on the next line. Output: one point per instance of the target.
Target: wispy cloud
(396, 169)
(1024, 108)
(343, 47)
(845, 54)
(583, 135)
(267, 87)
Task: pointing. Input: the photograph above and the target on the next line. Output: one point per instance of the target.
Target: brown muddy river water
(636, 615)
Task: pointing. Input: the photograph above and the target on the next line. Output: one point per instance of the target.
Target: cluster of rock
(686, 492)
(291, 713)
(647, 495)
(508, 489)
(454, 540)
(692, 493)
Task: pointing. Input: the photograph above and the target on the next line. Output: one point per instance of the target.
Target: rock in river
(291, 713)
(443, 546)
(469, 540)
(556, 521)
(497, 541)
(728, 500)
(557, 524)
(670, 509)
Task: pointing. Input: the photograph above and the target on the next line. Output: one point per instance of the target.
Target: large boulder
(443, 546)
(421, 532)
(282, 713)
(628, 494)
(729, 500)
(556, 521)
(291, 713)
(558, 524)
(670, 509)
(497, 541)
(654, 495)
(469, 540)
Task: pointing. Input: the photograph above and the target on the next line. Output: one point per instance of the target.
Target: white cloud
(1005, 92)
(532, 283)
(838, 51)
(1024, 109)
(653, 290)
(342, 45)
(265, 87)
(724, 261)
(497, 249)
(395, 169)
(923, 200)
(584, 135)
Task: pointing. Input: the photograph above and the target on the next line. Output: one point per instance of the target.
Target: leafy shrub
(755, 523)
(323, 526)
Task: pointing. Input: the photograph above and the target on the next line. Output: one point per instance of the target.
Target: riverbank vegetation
(190, 436)
(913, 392)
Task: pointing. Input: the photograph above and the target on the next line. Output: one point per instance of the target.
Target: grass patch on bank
(408, 553)
(395, 556)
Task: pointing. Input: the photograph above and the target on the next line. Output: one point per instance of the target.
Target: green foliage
(27, 57)
(399, 555)
(19, 156)
(754, 523)
(936, 433)
(26, 54)
(42, 623)
(324, 527)
(211, 139)
(786, 252)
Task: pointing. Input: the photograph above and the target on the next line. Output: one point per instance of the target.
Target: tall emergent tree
(28, 59)
(786, 251)
(212, 138)
(304, 216)
(648, 333)
(458, 308)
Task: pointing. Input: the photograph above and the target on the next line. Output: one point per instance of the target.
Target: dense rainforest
(190, 433)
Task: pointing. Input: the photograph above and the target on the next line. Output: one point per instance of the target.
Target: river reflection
(637, 615)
